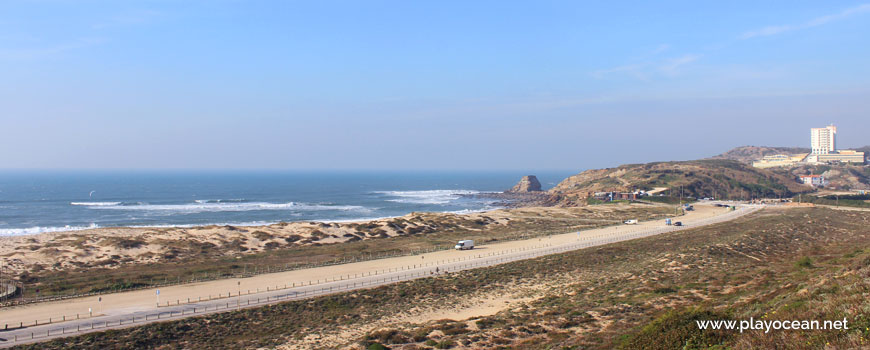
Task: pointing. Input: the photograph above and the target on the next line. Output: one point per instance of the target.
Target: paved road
(177, 308)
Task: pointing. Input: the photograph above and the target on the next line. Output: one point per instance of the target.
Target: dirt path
(127, 303)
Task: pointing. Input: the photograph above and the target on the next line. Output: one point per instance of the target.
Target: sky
(417, 85)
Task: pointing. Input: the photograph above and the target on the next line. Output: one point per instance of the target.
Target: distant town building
(776, 160)
(844, 156)
(814, 180)
(613, 195)
(823, 140)
(823, 143)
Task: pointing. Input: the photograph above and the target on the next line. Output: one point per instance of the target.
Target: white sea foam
(212, 206)
(359, 219)
(219, 200)
(39, 229)
(42, 229)
(240, 224)
(469, 211)
(95, 204)
(426, 196)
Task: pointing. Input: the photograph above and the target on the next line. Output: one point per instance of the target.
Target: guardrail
(262, 270)
(391, 275)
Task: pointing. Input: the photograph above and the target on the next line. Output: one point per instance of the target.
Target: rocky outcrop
(528, 183)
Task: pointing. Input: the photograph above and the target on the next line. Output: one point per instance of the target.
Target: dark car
(678, 223)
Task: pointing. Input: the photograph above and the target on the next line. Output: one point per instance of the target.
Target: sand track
(137, 305)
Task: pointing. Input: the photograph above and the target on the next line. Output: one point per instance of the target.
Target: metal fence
(258, 270)
(391, 275)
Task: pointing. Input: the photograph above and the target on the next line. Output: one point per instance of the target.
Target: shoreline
(507, 200)
(94, 226)
(122, 246)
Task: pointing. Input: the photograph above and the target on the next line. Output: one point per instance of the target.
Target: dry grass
(636, 294)
(115, 259)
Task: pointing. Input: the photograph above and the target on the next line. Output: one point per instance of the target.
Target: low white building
(814, 180)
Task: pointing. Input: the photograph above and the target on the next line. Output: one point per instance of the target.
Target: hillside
(747, 154)
(862, 149)
(841, 177)
(720, 178)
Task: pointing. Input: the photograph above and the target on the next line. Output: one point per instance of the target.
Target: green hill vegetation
(719, 178)
(746, 154)
(839, 177)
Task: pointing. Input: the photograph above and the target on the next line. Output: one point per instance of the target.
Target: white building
(814, 180)
(823, 140)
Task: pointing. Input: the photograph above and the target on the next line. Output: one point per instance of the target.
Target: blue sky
(422, 85)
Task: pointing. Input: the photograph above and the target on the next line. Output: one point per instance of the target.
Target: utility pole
(679, 206)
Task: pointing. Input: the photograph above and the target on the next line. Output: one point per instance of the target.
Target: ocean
(33, 202)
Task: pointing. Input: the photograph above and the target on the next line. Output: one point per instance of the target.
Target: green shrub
(445, 344)
(377, 346)
(292, 238)
(664, 290)
(678, 330)
(804, 262)
(388, 336)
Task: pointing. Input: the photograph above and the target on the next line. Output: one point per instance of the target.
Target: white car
(465, 245)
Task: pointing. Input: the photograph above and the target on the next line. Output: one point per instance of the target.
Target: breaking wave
(95, 204)
(218, 206)
(42, 229)
(427, 196)
(201, 201)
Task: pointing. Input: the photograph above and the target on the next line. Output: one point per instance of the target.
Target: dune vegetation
(806, 263)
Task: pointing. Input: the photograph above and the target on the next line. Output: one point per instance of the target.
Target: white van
(630, 222)
(465, 244)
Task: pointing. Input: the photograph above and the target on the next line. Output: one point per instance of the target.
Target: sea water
(40, 201)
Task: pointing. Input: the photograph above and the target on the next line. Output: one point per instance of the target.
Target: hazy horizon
(402, 86)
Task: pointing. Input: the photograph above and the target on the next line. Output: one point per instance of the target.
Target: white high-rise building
(823, 139)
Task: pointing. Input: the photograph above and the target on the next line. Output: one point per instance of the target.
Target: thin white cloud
(18, 54)
(672, 65)
(660, 49)
(645, 71)
(774, 30)
(641, 70)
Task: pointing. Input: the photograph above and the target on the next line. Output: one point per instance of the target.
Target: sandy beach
(141, 300)
(114, 247)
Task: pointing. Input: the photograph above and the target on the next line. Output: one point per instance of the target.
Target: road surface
(77, 316)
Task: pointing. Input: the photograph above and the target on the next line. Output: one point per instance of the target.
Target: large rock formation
(528, 183)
